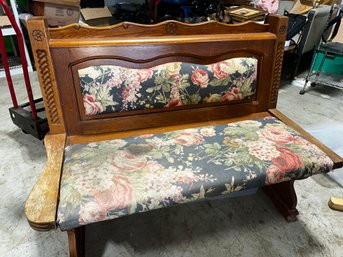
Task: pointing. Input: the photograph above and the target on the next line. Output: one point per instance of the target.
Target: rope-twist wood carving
(45, 74)
(277, 74)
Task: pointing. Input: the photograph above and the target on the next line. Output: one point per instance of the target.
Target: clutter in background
(96, 16)
(270, 6)
(61, 13)
(97, 13)
(58, 13)
(4, 21)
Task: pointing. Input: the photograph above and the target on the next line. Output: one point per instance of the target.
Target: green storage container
(333, 64)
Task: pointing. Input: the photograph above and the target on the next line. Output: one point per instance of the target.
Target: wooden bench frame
(60, 52)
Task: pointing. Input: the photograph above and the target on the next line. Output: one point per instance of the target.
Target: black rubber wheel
(313, 84)
(302, 91)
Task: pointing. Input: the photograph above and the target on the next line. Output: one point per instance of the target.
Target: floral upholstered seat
(109, 179)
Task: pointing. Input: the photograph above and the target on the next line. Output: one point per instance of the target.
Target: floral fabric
(109, 88)
(109, 179)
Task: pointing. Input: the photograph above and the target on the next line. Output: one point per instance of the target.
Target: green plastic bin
(333, 63)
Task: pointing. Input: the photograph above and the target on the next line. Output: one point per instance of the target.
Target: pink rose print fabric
(114, 178)
(109, 88)
(91, 106)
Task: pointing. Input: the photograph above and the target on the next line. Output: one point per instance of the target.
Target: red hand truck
(26, 116)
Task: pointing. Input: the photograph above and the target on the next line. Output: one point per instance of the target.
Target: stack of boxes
(64, 12)
(58, 13)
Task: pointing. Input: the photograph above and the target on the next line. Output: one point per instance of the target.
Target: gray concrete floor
(246, 226)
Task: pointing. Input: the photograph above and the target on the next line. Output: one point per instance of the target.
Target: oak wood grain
(39, 37)
(175, 28)
(56, 43)
(41, 205)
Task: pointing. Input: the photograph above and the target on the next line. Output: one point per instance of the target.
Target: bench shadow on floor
(244, 226)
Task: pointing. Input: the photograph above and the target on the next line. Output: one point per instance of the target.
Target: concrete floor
(246, 226)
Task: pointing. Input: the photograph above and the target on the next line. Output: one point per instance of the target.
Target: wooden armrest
(338, 161)
(41, 206)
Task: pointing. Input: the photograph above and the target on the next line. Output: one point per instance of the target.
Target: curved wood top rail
(166, 28)
(74, 42)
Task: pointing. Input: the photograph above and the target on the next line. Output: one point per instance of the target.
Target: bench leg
(76, 239)
(284, 198)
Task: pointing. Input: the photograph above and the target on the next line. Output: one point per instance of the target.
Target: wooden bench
(148, 116)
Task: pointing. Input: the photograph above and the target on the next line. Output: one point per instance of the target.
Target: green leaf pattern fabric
(110, 88)
(109, 179)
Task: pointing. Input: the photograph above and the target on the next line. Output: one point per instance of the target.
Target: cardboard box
(299, 8)
(61, 2)
(57, 14)
(4, 21)
(339, 36)
(96, 16)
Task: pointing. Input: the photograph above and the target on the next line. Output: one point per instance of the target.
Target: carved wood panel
(45, 73)
(277, 74)
(39, 38)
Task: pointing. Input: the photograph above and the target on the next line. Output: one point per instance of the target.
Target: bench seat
(113, 178)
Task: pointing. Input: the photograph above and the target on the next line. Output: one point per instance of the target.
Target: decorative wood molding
(195, 58)
(169, 39)
(47, 86)
(161, 29)
(39, 38)
(38, 35)
(278, 26)
(277, 74)
(282, 30)
(171, 28)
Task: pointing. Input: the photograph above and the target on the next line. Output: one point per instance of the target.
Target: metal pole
(7, 70)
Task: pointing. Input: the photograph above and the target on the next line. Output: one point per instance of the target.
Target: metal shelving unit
(327, 62)
(330, 80)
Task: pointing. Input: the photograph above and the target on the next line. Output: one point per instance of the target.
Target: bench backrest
(131, 76)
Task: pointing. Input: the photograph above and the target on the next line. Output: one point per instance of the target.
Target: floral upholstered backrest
(110, 88)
